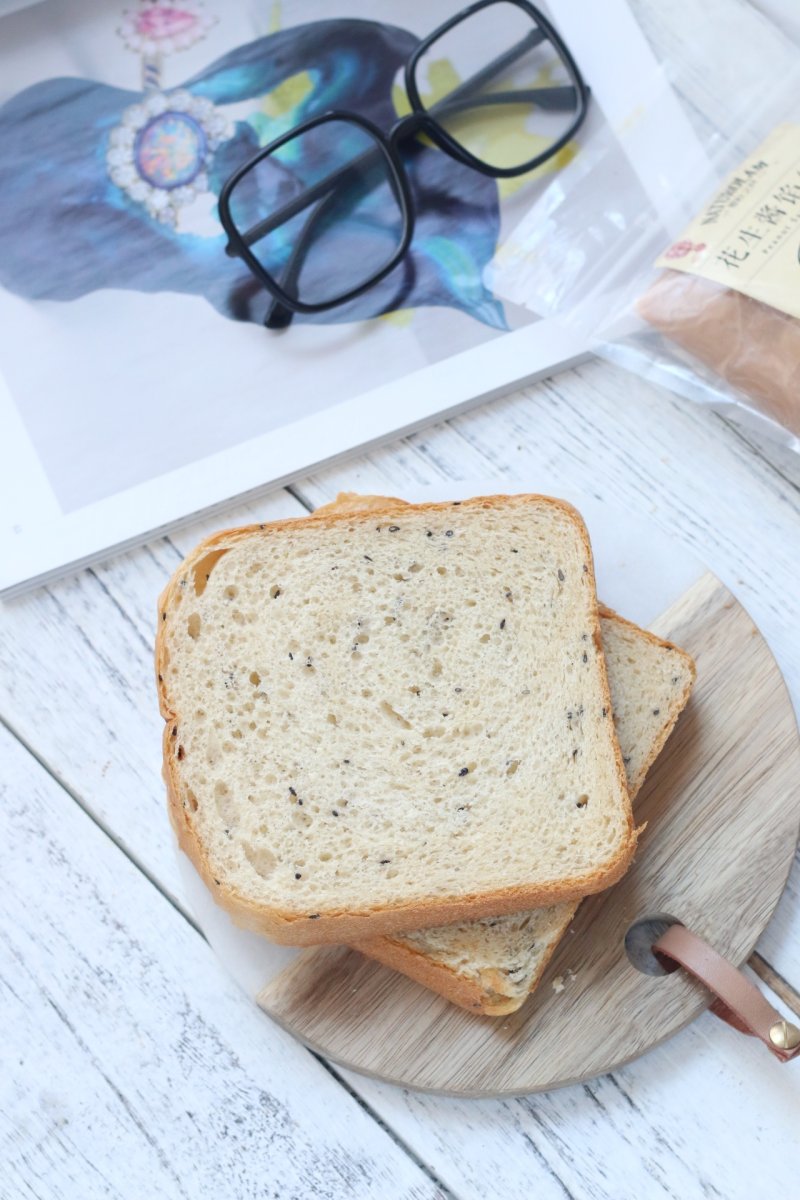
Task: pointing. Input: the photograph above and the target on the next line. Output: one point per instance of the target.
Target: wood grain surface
(722, 818)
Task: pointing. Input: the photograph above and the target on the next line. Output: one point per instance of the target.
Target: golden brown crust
(304, 929)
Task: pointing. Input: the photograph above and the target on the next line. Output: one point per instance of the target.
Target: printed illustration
(119, 186)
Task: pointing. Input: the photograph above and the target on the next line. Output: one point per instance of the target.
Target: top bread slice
(493, 964)
(362, 707)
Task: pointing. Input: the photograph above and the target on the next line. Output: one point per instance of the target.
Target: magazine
(138, 384)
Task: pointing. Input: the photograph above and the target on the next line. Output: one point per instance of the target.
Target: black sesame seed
(585, 657)
(509, 597)
(384, 861)
(298, 875)
(458, 689)
(291, 789)
(346, 761)
(299, 801)
(394, 529)
(605, 712)
(513, 551)
(561, 575)
(313, 916)
(216, 881)
(291, 655)
(574, 753)
(448, 533)
(163, 616)
(461, 808)
(367, 557)
(174, 730)
(656, 711)
(429, 533)
(456, 503)
(674, 678)
(464, 771)
(335, 812)
(586, 568)
(626, 758)
(503, 623)
(161, 679)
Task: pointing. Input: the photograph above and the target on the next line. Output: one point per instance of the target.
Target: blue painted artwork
(91, 179)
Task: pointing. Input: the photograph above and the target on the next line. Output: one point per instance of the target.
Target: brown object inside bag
(754, 347)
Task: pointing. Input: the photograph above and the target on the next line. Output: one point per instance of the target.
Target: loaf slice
(491, 965)
(361, 707)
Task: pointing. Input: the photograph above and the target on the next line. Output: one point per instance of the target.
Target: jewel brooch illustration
(160, 152)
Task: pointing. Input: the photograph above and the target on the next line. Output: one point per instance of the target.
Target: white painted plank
(709, 1114)
(131, 1067)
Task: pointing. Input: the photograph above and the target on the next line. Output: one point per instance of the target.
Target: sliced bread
(360, 706)
(491, 965)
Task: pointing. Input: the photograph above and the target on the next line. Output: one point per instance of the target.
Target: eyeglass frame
(418, 121)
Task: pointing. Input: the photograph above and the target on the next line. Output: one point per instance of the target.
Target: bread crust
(308, 929)
(458, 989)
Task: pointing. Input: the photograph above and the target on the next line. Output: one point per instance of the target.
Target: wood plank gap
(780, 986)
(142, 640)
(295, 491)
(446, 1193)
(760, 454)
(73, 795)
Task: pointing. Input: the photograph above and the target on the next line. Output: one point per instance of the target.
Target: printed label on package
(748, 237)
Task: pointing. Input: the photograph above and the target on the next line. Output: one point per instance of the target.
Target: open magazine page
(139, 383)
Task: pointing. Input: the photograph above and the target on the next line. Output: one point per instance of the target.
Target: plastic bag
(586, 252)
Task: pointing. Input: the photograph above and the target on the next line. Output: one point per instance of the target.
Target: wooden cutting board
(722, 809)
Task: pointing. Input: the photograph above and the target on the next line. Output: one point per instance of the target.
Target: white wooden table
(131, 1066)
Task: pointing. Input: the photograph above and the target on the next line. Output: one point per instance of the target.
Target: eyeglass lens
(498, 86)
(320, 213)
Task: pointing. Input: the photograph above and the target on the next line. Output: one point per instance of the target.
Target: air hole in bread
(261, 859)
(201, 572)
(394, 715)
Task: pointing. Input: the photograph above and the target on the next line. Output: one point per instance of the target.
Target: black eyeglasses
(291, 211)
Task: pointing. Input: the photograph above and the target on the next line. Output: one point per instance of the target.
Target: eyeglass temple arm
(555, 99)
(279, 316)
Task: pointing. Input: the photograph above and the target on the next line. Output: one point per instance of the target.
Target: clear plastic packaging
(587, 251)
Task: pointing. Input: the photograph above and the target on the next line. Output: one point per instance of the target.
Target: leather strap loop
(739, 1002)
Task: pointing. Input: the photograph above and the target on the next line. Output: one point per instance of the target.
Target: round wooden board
(722, 810)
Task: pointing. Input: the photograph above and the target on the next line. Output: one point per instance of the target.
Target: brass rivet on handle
(784, 1035)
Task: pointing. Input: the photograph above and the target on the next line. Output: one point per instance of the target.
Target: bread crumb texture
(380, 709)
(504, 957)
